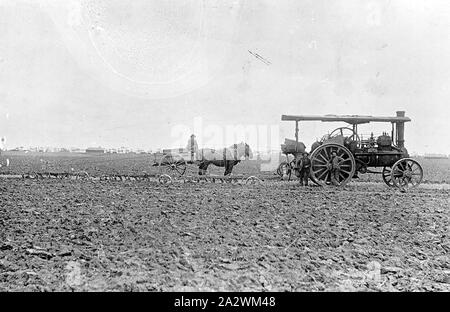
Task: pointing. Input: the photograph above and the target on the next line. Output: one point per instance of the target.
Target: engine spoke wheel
(172, 165)
(346, 132)
(406, 173)
(386, 175)
(321, 169)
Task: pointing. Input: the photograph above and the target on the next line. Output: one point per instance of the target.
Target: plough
(167, 179)
(160, 178)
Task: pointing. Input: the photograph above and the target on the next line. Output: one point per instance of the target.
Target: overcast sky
(132, 73)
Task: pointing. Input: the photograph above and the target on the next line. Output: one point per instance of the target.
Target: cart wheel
(406, 173)
(321, 164)
(165, 179)
(284, 169)
(386, 174)
(172, 164)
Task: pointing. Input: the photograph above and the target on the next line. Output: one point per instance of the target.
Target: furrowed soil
(83, 235)
(64, 235)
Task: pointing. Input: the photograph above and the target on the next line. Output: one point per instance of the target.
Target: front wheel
(386, 174)
(406, 173)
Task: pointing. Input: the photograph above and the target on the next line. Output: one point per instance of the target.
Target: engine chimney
(400, 130)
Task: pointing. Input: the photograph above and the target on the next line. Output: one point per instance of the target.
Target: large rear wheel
(321, 169)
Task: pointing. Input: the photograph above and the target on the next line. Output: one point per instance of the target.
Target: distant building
(76, 150)
(95, 150)
(123, 150)
(18, 149)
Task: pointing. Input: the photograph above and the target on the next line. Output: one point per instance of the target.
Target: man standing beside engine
(335, 168)
(304, 165)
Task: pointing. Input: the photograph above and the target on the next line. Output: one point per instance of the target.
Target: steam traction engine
(386, 151)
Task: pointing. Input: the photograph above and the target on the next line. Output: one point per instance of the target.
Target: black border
(164, 301)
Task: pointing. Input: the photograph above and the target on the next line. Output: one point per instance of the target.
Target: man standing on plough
(192, 147)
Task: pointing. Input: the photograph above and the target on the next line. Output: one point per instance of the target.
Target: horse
(226, 157)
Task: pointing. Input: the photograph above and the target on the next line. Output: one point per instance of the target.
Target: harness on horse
(235, 152)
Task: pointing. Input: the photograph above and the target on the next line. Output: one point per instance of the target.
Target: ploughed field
(62, 235)
(435, 170)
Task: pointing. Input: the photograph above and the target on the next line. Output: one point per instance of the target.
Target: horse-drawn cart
(353, 155)
(174, 162)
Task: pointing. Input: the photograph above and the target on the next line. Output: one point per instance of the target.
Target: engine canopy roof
(351, 119)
